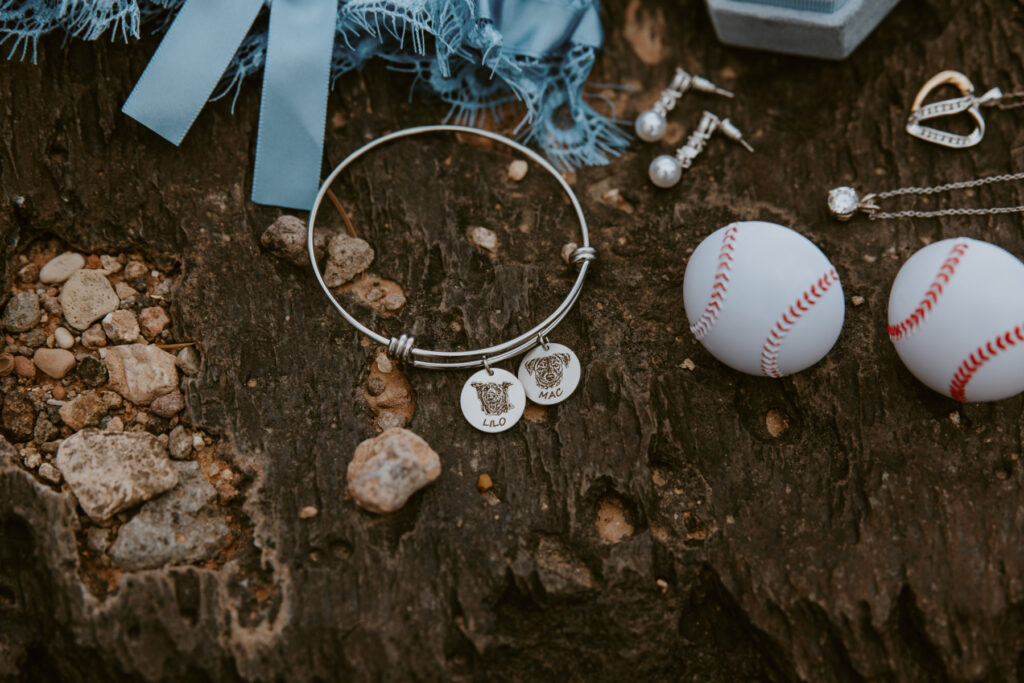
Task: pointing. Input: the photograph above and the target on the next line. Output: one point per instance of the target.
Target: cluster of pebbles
(346, 260)
(90, 382)
(389, 468)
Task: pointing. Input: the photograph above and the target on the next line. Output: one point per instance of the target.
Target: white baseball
(763, 299)
(956, 318)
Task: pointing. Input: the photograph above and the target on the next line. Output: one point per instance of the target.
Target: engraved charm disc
(549, 375)
(493, 401)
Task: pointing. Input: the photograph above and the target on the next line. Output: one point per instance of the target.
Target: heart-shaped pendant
(966, 103)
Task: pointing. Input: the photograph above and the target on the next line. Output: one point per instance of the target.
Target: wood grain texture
(875, 538)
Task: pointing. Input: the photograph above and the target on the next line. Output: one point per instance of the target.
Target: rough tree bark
(877, 537)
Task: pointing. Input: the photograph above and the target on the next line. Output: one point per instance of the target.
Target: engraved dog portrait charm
(493, 401)
(549, 374)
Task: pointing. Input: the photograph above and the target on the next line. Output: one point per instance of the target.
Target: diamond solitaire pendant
(844, 203)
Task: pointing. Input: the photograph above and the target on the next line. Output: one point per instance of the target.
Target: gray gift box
(830, 29)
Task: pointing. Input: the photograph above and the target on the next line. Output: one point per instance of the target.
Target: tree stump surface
(666, 522)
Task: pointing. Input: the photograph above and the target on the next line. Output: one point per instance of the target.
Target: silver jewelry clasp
(400, 348)
(967, 102)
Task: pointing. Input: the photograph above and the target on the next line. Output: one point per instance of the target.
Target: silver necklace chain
(853, 203)
(1011, 100)
(937, 189)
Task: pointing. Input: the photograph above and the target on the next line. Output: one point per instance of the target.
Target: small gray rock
(121, 327)
(51, 447)
(86, 297)
(112, 471)
(188, 360)
(28, 274)
(179, 443)
(286, 239)
(135, 269)
(52, 305)
(125, 291)
(180, 526)
(110, 264)
(92, 371)
(19, 417)
(49, 473)
(168, 405)
(85, 410)
(387, 469)
(111, 400)
(22, 312)
(60, 268)
(140, 372)
(346, 257)
(163, 290)
(94, 337)
(388, 420)
(30, 456)
(152, 423)
(35, 338)
(45, 430)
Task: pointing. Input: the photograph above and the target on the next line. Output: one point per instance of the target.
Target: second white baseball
(956, 318)
(763, 299)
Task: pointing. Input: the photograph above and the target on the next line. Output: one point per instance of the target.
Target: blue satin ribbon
(534, 28)
(293, 110)
(188, 64)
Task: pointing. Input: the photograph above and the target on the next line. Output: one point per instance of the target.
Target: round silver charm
(665, 171)
(493, 400)
(650, 126)
(549, 374)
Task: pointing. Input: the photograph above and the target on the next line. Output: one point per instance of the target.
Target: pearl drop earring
(666, 170)
(650, 124)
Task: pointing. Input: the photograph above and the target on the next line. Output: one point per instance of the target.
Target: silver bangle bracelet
(403, 349)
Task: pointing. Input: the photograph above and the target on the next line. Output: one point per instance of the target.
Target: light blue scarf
(476, 55)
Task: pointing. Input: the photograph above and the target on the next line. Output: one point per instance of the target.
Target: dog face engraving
(494, 397)
(548, 370)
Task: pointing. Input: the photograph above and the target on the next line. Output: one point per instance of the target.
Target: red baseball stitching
(707, 319)
(773, 344)
(931, 297)
(970, 366)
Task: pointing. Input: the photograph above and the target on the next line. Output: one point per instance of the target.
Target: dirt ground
(673, 520)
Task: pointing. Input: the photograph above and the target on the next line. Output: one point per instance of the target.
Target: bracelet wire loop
(403, 348)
